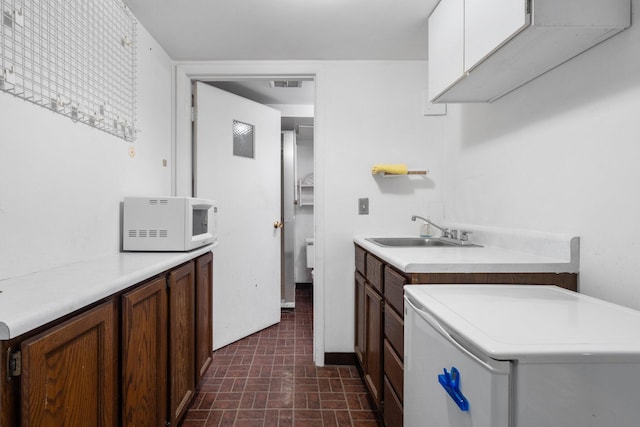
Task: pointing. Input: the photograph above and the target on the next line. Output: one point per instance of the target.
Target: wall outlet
(363, 206)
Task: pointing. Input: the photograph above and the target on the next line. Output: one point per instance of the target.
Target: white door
(246, 185)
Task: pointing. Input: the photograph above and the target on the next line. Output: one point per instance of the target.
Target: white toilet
(310, 246)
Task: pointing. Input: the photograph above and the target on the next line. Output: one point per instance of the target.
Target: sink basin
(416, 242)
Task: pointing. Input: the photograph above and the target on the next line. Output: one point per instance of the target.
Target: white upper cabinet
(446, 45)
(488, 24)
(504, 44)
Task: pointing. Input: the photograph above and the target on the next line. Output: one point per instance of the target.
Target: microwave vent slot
(159, 202)
(164, 233)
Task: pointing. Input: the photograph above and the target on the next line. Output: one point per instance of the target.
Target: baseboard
(340, 359)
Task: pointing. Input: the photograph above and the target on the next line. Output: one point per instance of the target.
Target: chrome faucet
(445, 231)
(458, 237)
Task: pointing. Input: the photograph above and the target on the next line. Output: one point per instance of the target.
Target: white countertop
(30, 301)
(486, 259)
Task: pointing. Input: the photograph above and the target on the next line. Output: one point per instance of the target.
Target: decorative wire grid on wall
(75, 57)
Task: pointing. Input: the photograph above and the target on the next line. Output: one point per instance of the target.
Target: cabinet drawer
(361, 255)
(394, 330)
(393, 411)
(393, 289)
(393, 369)
(374, 272)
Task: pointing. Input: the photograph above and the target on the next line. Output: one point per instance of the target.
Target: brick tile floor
(269, 379)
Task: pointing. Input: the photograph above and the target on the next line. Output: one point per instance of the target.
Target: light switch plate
(363, 206)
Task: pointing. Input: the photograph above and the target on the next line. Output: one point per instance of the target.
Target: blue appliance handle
(450, 381)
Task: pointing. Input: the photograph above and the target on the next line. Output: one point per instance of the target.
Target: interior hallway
(269, 379)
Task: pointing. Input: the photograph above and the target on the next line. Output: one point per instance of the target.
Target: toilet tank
(310, 245)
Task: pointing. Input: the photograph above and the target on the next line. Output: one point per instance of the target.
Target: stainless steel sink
(413, 242)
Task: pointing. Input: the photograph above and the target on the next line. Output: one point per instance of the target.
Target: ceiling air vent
(285, 83)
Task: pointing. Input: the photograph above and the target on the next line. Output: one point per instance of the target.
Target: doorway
(297, 206)
(298, 120)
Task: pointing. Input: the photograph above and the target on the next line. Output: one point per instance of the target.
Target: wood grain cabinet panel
(204, 319)
(394, 330)
(374, 272)
(394, 370)
(144, 355)
(373, 344)
(69, 372)
(564, 280)
(360, 319)
(181, 340)
(9, 386)
(394, 288)
(393, 410)
(360, 257)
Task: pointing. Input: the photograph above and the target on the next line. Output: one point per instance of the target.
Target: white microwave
(168, 223)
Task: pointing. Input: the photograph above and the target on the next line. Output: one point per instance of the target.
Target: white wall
(560, 154)
(372, 113)
(61, 183)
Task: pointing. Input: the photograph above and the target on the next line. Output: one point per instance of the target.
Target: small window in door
(243, 139)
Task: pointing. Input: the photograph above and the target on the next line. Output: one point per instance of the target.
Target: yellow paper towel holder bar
(409, 172)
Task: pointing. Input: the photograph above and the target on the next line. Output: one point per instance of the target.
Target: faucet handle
(464, 235)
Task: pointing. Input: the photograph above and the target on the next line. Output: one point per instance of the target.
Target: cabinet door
(204, 335)
(373, 344)
(69, 372)
(181, 340)
(446, 46)
(488, 24)
(360, 319)
(144, 355)
(393, 411)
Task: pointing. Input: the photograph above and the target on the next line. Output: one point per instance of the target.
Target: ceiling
(260, 90)
(287, 29)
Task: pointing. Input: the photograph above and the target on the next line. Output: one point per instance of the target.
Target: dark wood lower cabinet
(133, 360)
(144, 355)
(373, 344)
(182, 298)
(69, 372)
(204, 324)
(379, 321)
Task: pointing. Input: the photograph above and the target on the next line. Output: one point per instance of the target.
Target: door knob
(278, 224)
